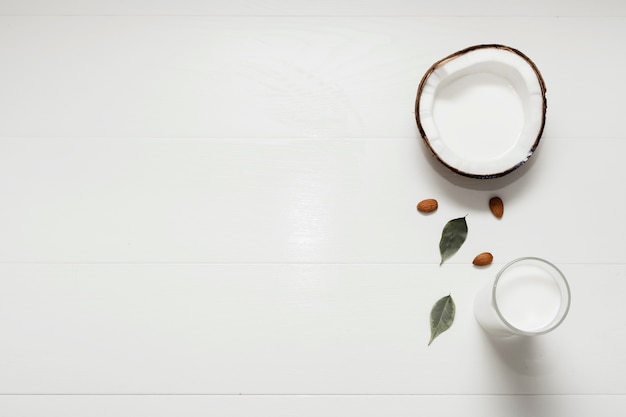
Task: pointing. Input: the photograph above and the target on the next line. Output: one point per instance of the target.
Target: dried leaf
(441, 317)
(452, 237)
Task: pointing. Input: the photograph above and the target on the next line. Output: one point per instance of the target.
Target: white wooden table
(208, 208)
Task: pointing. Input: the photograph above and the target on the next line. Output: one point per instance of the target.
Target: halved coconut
(481, 111)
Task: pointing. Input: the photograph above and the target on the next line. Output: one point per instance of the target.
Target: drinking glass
(529, 297)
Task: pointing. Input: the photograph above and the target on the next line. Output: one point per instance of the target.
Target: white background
(208, 208)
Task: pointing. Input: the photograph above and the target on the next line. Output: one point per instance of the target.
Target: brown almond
(496, 206)
(483, 259)
(427, 206)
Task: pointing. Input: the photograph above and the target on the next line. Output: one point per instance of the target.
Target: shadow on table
(528, 361)
(520, 354)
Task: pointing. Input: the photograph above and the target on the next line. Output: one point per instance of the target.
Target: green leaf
(441, 317)
(452, 237)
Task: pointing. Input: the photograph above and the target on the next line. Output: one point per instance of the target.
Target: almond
(496, 206)
(427, 206)
(483, 259)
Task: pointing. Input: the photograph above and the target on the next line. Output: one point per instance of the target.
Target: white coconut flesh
(481, 111)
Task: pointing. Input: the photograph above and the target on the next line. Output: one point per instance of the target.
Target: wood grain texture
(306, 200)
(208, 208)
(252, 77)
(322, 7)
(292, 329)
(313, 406)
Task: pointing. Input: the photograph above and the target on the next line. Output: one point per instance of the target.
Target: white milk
(528, 297)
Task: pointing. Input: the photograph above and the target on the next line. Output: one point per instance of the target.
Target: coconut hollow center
(479, 116)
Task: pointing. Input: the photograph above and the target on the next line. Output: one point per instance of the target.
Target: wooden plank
(313, 406)
(292, 329)
(306, 200)
(281, 77)
(321, 7)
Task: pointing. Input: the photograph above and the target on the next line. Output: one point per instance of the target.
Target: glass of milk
(529, 296)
